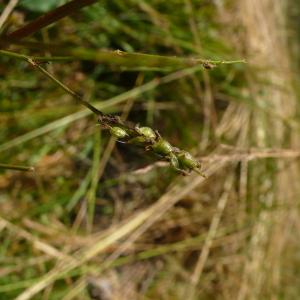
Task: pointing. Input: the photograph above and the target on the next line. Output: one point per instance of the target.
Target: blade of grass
(80, 191)
(7, 11)
(211, 234)
(49, 18)
(135, 60)
(36, 58)
(94, 181)
(124, 59)
(35, 241)
(16, 167)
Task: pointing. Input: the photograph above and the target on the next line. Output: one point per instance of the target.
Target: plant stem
(36, 64)
(36, 58)
(130, 61)
(14, 55)
(15, 167)
(49, 18)
(65, 88)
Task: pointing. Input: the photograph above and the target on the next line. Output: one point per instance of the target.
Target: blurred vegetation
(86, 187)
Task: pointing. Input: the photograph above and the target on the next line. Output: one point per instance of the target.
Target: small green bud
(187, 161)
(146, 132)
(118, 132)
(162, 147)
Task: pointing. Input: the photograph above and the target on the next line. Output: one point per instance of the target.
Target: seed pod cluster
(180, 160)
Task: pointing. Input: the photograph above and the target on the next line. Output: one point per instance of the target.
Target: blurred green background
(90, 213)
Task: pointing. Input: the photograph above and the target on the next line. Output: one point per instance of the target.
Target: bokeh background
(98, 219)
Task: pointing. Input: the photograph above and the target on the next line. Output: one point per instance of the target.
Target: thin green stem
(36, 58)
(65, 88)
(35, 63)
(141, 60)
(17, 168)
(13, 55)
(128, 60)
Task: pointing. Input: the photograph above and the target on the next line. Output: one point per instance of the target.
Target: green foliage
(41, 6)
(140, 60)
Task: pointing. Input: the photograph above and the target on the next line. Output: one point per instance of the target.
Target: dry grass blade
(252, 154)
(36, 242)
(7, 11)
(262, 274)
(149, 215)
(195, 278)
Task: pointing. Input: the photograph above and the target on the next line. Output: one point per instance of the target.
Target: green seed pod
(162, 147)
(118, 132)
(146, 132)
(138, 140)
(174, 161)
(187, 161)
